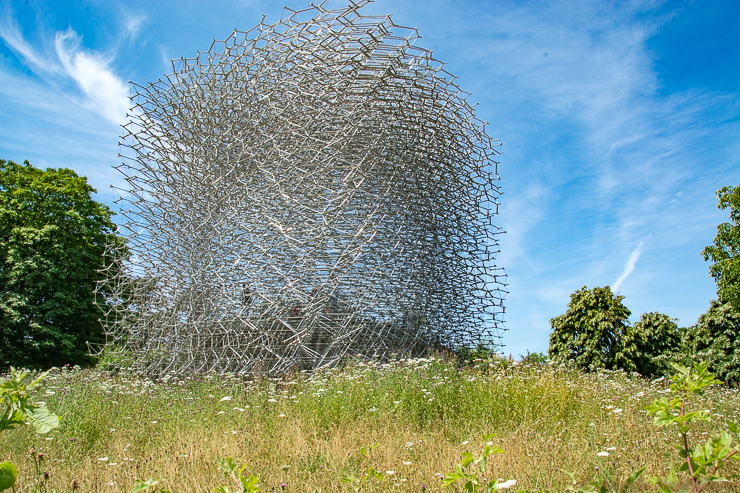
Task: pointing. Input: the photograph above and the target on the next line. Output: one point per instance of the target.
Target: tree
(725, 253)
(715, 341)
(590, 332)
(53, 239)
(647, 346)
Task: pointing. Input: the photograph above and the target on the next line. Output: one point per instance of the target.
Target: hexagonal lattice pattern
(302, 191)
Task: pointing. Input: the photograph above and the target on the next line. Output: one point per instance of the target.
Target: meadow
(304, 432)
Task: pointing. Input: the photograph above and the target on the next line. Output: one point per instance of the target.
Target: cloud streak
(628, 267)
(103, 92)
(106, 93)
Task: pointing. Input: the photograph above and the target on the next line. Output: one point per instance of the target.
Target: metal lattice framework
(303, 191)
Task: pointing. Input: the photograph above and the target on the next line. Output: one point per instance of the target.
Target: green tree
(715, 341)
(590, 332)
(648, 346)
(53, 239)
(725, 253)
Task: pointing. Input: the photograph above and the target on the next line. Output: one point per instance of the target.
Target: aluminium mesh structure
(300, 192)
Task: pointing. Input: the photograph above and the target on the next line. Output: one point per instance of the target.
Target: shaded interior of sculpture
(302, 192)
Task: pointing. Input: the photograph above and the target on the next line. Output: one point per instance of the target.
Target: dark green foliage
(594, 333)
(647, 345)
(714, 340)
(52, 244)
(590, 332)
(481, 351)
(725, 253)
(533, 358)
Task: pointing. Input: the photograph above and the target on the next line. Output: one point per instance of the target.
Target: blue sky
(619, 121)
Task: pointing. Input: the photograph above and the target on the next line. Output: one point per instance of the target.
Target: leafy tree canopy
(53, 238)
(647, 346)
(715, 341)
(595, 334)
(589, 333)
(725, 253)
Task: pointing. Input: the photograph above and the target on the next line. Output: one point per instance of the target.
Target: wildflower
(227, 398)
(506, 484)
(282, 485)
(603, 454)
(406, 463)
(465, 442)
(390, 473)
(103, 458)
(612, 448)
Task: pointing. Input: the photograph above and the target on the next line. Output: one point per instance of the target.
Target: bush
(647, 345)
(714, 340)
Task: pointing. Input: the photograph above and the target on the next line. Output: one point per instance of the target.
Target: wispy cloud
(133, 24)
(106, 93)
(103, 92)
(628, 267)
(11, 34)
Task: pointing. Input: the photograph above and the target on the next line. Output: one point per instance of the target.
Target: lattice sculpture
(303, 191)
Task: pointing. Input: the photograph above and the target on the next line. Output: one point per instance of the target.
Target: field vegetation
(305, 432)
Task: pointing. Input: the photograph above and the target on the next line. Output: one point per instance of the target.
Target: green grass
(306, 430)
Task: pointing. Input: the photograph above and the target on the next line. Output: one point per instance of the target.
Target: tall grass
(305, 430)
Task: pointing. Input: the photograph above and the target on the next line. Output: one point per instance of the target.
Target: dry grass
(306, 431)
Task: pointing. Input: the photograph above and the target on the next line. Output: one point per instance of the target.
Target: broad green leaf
(42, 419)
(633, 477)
(16, 419)
(733, 427)
(451, 478)
(143, 485)
(227, 465)
(8, 475)
(37, 381)
(467, 459)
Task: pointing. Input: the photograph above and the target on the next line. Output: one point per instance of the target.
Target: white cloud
(133, 24)
(103, 92)
(107, 94)
(11, 34)
(628, 267)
